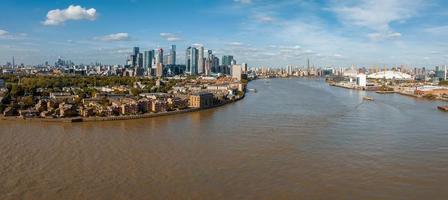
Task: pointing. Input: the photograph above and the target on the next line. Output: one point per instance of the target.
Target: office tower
(173, 55)
(236, 72)
(244, 66)
(159, 56)
(191, 60)
(139, 59)
(134, 57)
(208, 63)
(445, 73)
(227, 60)
(147, 59)
(13, 62)
(201, 64)
(308, 64)
(215, 65)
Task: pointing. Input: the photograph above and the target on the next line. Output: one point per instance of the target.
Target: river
(293, 139)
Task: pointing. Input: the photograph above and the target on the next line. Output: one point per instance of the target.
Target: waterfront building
(361, 80)
(201, 100)
(245, 68)
(236, 72)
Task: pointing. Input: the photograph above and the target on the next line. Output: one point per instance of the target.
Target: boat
(253, 90)
(443, 108)
(368, 98)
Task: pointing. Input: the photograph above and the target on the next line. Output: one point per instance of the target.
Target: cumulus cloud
(377, 14)
(73, 12)
(114, 37)
(170, 37)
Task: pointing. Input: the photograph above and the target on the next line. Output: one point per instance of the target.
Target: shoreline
(117, 118)
(385, 92)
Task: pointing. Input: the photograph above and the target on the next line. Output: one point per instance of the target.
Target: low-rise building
(67, 110)
(201, 100)
(158, 106)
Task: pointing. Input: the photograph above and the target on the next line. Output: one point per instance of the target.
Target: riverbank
(352, 87)
(115, 118)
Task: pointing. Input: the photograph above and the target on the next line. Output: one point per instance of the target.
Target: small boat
(253, 90)
(443, 108)
(368, 98)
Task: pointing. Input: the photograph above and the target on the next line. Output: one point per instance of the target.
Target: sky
(272, 33)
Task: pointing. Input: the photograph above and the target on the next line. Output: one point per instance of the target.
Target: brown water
(293, 139)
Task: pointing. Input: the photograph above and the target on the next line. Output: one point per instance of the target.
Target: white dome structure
(390, 75)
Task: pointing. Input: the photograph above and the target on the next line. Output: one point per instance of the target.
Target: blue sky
(260, 32)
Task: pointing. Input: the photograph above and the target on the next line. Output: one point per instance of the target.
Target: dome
(390, 75)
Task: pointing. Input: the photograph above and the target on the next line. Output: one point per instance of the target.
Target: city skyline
(259, 32)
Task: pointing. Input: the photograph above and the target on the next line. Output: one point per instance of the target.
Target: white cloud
(236, 44)
(10, 36)
(3, 33)
(263, 18)
(197, 45)
(170, 37)
(377, 14)
(384, 36)
(438, 30)
(73, 12)
(243, 1)
(114, 37)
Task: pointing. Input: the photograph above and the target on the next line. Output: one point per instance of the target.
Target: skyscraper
(147, 59)
(201, 64)
(134, 56)
(191, 60)
(227, 60)
(159, 57)
(173, 55)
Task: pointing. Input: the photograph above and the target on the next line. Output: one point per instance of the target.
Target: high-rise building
(201, 63)
(244, 66)
(173, 55)
(139, 60)
(159, 56)
(215, 65)
(191, 60)
(308, 64)
(445, 73)
(236, 72)
(227, 60)
(147, 59)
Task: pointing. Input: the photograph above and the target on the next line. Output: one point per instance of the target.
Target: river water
(293, 139)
